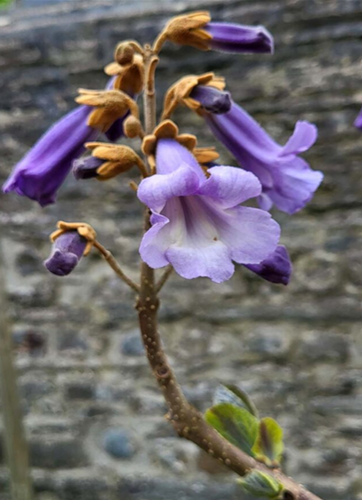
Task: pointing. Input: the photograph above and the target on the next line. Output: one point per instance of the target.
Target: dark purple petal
(287, 180)
(42, 171)
(86, 168)
(358, 121)
(276, 268)
(115, 131)
(239, 38)
(67, 251)
(211, 99)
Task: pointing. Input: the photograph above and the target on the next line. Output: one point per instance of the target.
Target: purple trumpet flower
(287, 180)
(277, 268)
(67, 251)
(238, 38)
(44, 168)
(358, 121)
(197, 223)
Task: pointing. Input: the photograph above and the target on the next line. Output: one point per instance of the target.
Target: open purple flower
(67, 251)
(358, 121)
(238, 38)
(276, 268)
(197, 223)
(287, 180)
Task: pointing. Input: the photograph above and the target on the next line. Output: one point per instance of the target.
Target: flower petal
(155, 243)
(170, 155)
(212, 261)
(358, 120)
(250, 234)
(294, 186)
(304, 136)
(156, 190)
(230, 186)
(238, 38)
(276, 268)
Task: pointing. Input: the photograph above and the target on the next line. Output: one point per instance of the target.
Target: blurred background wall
(94, 415)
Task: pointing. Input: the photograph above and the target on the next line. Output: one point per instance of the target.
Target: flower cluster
(198, 224)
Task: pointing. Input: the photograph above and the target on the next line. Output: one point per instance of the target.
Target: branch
(115, 266)
(166, 274)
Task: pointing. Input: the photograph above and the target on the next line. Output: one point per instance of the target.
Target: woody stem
(187, 420)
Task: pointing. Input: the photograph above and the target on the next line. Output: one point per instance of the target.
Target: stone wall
(93, 413)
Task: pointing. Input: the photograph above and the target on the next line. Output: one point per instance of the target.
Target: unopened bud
(132, 127)
(124, 53)
(189, 29)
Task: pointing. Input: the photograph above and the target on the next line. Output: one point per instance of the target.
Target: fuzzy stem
(187, 420)
(115, 266)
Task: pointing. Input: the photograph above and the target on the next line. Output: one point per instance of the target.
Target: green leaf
(234, 395)
(269, 444)
(235, 424)
(260, 484)
(5, 3)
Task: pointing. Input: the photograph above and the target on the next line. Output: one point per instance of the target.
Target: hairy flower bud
(107, 161)
(111, 105)
(188, 30)
(132, 127)
(181, 93)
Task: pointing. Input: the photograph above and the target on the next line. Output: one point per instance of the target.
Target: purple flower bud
(238, 38)
(276, 268)
(68, 249)
(212, 100)
(358, 121)
(86, 168)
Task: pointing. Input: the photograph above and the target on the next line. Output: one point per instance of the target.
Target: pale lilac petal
(211, 261)
(304, 136)
(155, 243)
(238, 38)
(265, 202)
(276, 268)
(170, 155)
(295, 184)
(250, 234)
(230, 186)
(154, 191)
(358, 121)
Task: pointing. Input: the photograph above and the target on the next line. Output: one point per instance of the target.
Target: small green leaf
(235, 424)
(5, 3)
(260, 484)
(269, 444)
(234, 395)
